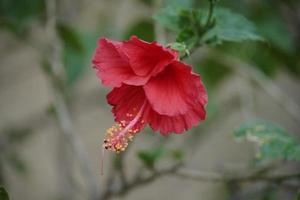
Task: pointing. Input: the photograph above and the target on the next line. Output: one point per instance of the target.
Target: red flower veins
(150, 86)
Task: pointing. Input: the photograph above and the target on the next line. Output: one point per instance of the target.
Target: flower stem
(210, 13)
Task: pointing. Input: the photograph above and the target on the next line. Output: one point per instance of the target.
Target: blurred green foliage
(195, 27)
(273, 141)
(150, 157)
(212, 72)
(144, 29)
(3, 194)
(70, 37)
(232, 27)
(74, 52)
(16, 162)
(278, 49)
(147, 2)
(177, 155)
(10, 156)
(17, 15)
(281, 49)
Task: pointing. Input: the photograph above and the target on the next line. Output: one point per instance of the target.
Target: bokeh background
(38, 160)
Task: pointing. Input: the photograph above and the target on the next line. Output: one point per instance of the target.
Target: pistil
(118, 135)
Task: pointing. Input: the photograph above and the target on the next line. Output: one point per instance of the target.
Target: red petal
(126, 100)
(174, 124)
(112, 65)
(176, 90)
(147, 59)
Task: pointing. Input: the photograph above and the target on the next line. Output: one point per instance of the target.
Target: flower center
(117, 137)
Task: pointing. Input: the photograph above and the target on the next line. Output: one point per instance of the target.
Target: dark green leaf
(75, 62)
(232, 27)
(150, 157)
(74, 65)
(70, 37)
(143, 29)
(189, 37)
(273, 141)
(147, 2)
(212, 72)
(255, 52)
(3, 194)
(74, 52)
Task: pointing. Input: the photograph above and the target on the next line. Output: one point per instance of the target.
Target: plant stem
(216, 177)
(63, 115)
(210, 13)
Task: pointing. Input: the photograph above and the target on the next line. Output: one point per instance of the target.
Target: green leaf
(143, 29)
(274, 28)
(70, 37)
(74, 65)
(273, 141)
(212, 72)
(147, 2)
(150, 157)
(177, 18)
(231, 27)
(169, 18)
(179, 3)
(192, 29)
(3, 194)
(74, 55)
(187, 36)
(181, 48)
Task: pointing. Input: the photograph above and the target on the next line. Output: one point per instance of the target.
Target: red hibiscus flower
(150, 86)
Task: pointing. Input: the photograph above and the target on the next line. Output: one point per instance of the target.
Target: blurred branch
(246, 98)
(290, 12)
(60, 105)
(247, 177)
(140, 180)
(177, 170)
(122, 169)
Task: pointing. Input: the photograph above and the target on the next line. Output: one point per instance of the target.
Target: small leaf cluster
(273, 141)
(195, 27)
